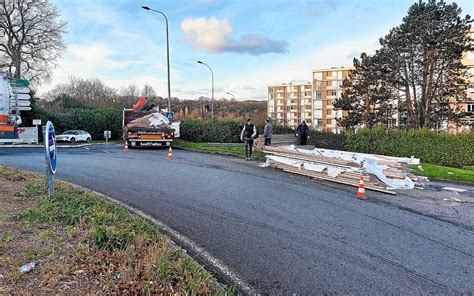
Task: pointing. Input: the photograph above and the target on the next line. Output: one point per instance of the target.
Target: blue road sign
(170, 115)
(50, 146)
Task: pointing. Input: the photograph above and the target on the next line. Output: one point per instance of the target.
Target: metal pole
(167, 53)
(212, 100)
(212, 77)
(231, 95)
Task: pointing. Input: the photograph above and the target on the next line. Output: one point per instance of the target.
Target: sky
(249, 44)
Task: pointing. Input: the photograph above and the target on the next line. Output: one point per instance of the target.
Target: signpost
(170, 115)
(107, 136)
(37, 122)
(49, 138)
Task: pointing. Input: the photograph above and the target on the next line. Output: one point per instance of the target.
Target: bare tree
(31, 34)
(148, 91)
(128, 96)
(130, 91)
(91, 92)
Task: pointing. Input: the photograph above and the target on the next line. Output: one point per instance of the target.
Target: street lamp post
(231, 95)
(212, 76)
(167, 53)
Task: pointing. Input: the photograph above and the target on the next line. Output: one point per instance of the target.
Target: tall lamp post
(231, 95)
(167, 52)
(212, 76)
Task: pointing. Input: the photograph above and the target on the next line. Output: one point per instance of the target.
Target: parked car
(74, 136)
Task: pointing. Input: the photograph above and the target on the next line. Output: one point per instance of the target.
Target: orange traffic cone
(125, 146)
(170, 154)
(361, 192)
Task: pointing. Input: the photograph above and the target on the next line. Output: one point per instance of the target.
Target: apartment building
(468, 106)
(290, 103)
(327, 86)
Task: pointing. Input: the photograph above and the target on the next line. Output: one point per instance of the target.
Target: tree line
(417, 72)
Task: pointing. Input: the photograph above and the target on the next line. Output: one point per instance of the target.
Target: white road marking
(454, 189)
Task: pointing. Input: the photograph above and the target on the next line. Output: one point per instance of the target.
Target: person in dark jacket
(268, 133)
(302, 132)
(249, 132)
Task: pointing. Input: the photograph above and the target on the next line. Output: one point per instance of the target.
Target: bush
(432, 147)
(281, 129)
(326, 140)
(94, 121)
(215, 131)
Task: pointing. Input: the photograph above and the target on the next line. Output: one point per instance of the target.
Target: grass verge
(445, 173)
(238, 151)
(86, 245)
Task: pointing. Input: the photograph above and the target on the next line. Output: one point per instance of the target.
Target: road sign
(20, 103)
(24, 108)
(50, 146)
(21, 97)
(21, 82)
(170, 115)
(36, 121)
(107, 135)
(49, 138)
(21, 90)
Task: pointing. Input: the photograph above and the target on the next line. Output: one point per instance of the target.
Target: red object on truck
(141, 102)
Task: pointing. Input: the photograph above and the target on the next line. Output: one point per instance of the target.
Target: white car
(74, 136)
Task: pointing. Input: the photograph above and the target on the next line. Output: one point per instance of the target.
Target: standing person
(302, 133)
(249, 132)
(268, 133)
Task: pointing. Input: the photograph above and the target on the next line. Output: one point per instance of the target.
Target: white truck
(14, 98)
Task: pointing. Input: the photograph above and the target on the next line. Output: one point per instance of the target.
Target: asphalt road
(280, 233)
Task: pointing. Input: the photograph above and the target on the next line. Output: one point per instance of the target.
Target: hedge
(326, 140)
(94, 121)
(215, 131)
(432, 147)
(219, 131)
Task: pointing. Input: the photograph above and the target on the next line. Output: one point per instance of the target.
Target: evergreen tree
(366, 97)
(423, 62)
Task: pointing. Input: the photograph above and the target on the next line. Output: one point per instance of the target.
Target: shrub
(94, 121)
(216, 131)
(326, 140)
(432, 147)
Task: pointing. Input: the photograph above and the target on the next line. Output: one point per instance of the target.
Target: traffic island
(228, 149)
(78, 242)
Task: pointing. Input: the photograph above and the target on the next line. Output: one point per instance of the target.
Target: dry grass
(85, 245)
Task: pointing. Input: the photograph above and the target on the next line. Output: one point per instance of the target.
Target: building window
(333, 93)
(318, 95)
(470, 108)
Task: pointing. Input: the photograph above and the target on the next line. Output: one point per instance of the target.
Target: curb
(219, 153)
(218, 267)
(41, 146)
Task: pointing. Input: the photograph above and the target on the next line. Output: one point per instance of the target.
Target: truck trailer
(145, 126)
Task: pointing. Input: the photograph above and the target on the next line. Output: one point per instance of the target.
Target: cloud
(215, 36)
(97, 60)
(299, 69)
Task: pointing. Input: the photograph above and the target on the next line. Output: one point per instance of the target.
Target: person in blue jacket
(302, 132)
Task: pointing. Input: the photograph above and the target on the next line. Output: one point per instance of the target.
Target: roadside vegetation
(434, 171)
(232, 149)
(83, 244)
